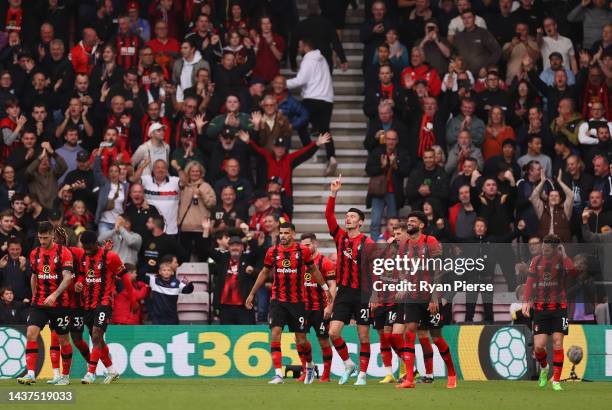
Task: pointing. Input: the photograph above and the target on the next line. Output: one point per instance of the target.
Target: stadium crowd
(166, 126)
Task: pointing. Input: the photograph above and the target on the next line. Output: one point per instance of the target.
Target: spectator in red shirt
(83, 55)
(122, 310)
(165, 49)
(420, 70)
(269, 49)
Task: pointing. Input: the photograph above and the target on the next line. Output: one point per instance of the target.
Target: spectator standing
(122, 310)
(42, 175)
(593, 19)
(112, 195)
(196, 203)
(554, 215)
(15, 271)
(475, 44)
(126, 243)
(315, 81)
(165, 290)
(12, 312)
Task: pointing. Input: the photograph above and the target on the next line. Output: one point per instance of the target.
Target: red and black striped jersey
(420, 252)
(48, 266)
(288, 265)
(315, 298)
(350, 250)
(77, 257)
(98, 274)
(547, 282)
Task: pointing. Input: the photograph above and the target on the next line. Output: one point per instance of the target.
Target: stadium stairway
(348, 128)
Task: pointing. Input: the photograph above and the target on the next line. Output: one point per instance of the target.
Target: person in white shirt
(163, 191)
(587, 132)
(152, 150)
(555, 42)
(317, 94)
(456, 24)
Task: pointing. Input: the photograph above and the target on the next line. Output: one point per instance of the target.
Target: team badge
(286, 263)
(152, 245)
(46, 269)
(307, 277)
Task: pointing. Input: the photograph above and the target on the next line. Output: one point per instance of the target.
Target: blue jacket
(295, 111)
(104, 188)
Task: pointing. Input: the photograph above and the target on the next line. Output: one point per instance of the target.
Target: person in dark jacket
(372, 32)
(393, 162)
(12, 312)
(384, 90)
(234, 278)
(15, 271)
(427, 179)
(385, 121)
(165, 290)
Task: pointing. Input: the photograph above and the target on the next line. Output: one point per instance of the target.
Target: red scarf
(123, 140)
(595, 94)
(386, 91)
(14, 18)
(427, 137)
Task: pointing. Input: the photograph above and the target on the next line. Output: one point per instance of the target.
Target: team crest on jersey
(152, 245)
(286, 263)
(307, 277)
(46, 269)
(91, 273)
(547, 276)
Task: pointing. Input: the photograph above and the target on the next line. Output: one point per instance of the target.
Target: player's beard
(413, 230)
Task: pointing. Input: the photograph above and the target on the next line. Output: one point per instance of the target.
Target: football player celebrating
(52, 267)
(96, 280)
(352, 284)
(545, 291)
(291, 264)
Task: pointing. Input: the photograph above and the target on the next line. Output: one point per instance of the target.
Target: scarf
(596, 94)
(426, 135)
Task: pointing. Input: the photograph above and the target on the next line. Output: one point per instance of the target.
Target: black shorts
(348, 305)
(547, 322)
(77, 320)
(387, 316)
(58, 318)
(98, 317)
(317, 321)
(419, 313)
(292, 315)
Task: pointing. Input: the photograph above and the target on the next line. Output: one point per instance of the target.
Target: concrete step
(346, 125)
(316, 169)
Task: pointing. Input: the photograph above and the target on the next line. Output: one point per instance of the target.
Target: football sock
(364, 356)
(558, 358)
(54, 354)
(300, 350)
(341, 348)
(31, 356)
(541, 358)
(277, 356)
(409, 352)
(66, 358)
(385, 350)
(93, 359)
(328, 354)
(105, 357)
(307, 353)
(427, 355)
(446, 356)
(83, 348)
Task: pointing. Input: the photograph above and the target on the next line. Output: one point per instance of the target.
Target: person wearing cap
(138, 25)
(152, 150)
(556, 63)
(281, 163)
(70, 150)
(224, 146)
(233, 280)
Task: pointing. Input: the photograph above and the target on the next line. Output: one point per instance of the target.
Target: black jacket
(370, 142)
(437, 181)
(222, 260)
(374, 168)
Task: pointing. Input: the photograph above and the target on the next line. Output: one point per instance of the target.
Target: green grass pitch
(256, 394)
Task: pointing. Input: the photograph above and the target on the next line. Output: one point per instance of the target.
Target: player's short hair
(403, 225)
(419, 215)
(358, 212)
(45, 227)
(158, 221)
(89, 238)
(8, 213)
(480, 219)
(287, 225)
(308, 235)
